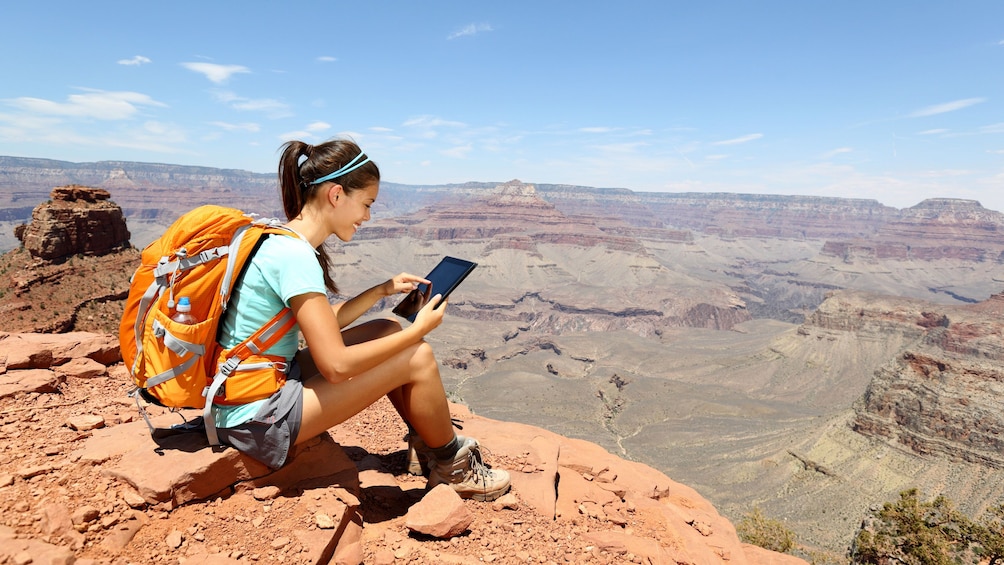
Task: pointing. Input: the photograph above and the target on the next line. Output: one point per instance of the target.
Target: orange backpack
(201, 256)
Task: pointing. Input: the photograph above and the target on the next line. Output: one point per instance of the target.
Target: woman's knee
(385, 326)
(423, 357)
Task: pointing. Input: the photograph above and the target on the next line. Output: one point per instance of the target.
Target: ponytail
(305, 168)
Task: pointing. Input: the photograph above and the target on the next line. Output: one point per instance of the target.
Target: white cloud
(298, 135)
(135, 61)
(218, 74)
(837, 151)
(431, 121)
(621, 148)
(246, 126)
(946, 107)
(312, 132)
(993, 128)
(427, 127)
(470, 29)
(273, 108)
(459, 152)
(380, 129)
(935, 131)
(596, 129)
(54, 132)
(96, 104)
(326, 59)
(738, 140)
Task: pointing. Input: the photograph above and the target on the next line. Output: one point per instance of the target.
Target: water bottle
(183, 312)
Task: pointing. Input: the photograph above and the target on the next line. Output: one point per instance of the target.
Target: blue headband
(348, 168)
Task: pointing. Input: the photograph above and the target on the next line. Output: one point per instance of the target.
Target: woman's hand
(429, 317)
(401, 284)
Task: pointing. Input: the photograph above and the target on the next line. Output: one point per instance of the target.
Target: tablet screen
(445, 277)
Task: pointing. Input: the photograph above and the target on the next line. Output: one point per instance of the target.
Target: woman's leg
(372, 330)
(410, 379)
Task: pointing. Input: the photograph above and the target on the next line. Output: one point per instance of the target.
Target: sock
(446, 452)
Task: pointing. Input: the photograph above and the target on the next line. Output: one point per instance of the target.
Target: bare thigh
(327, 404)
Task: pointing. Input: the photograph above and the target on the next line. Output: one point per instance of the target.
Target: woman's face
(352, 209)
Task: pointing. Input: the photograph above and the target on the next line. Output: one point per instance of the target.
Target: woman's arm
(337, 361)
(350, 310)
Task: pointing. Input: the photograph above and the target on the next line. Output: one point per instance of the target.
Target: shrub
(757, 529)
(914, 532)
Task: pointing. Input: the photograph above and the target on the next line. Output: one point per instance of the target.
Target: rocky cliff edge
(82, 481)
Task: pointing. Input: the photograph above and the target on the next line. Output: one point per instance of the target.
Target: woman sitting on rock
(328, 189)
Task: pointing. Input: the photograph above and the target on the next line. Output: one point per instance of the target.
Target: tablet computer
(445, 277)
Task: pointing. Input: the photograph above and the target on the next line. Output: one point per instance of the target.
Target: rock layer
(77, 220)
(945, 393)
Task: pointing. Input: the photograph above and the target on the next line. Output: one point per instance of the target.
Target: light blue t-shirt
(283, 267)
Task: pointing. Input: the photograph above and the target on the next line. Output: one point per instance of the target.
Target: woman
(328, 189)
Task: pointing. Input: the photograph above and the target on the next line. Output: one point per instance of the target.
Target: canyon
(807, 356)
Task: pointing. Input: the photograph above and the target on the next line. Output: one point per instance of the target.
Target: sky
(892, 100)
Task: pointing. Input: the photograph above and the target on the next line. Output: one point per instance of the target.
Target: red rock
(42, 351)
(86, 422)
(123, 532)
(621, 543)
(32, 380)
(81, 368)
(78, 220)
(18, 549)
(441, 513)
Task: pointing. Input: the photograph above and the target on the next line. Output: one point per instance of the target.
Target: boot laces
(478, 468)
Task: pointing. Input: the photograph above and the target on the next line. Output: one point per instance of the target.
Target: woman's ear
(333, 194)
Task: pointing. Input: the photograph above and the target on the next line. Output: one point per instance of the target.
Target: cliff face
(935, 229)
(945, 393)
(557, 295)
(853, 229)
(77, 220)
(143, 190)
(729, 215)
(510, 209)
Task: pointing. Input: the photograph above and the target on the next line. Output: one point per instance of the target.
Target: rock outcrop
(945, 393)
(73, 270)
(78, 220)
(81, 478)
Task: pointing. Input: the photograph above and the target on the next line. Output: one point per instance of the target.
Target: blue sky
(893, 100)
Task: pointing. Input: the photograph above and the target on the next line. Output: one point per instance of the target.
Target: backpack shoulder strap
(260, 341)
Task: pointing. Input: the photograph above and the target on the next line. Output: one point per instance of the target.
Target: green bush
(755, 528)
(915, 533)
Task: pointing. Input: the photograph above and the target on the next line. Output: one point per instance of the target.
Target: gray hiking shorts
(269, 436)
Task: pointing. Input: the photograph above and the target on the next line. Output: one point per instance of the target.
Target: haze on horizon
(894, 101)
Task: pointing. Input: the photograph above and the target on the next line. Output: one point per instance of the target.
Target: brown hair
(302, 163)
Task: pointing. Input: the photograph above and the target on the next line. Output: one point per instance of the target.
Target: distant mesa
(512, 215)
(78, 220)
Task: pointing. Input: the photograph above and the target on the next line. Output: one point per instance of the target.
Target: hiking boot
(468, 475)
(418, 455)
